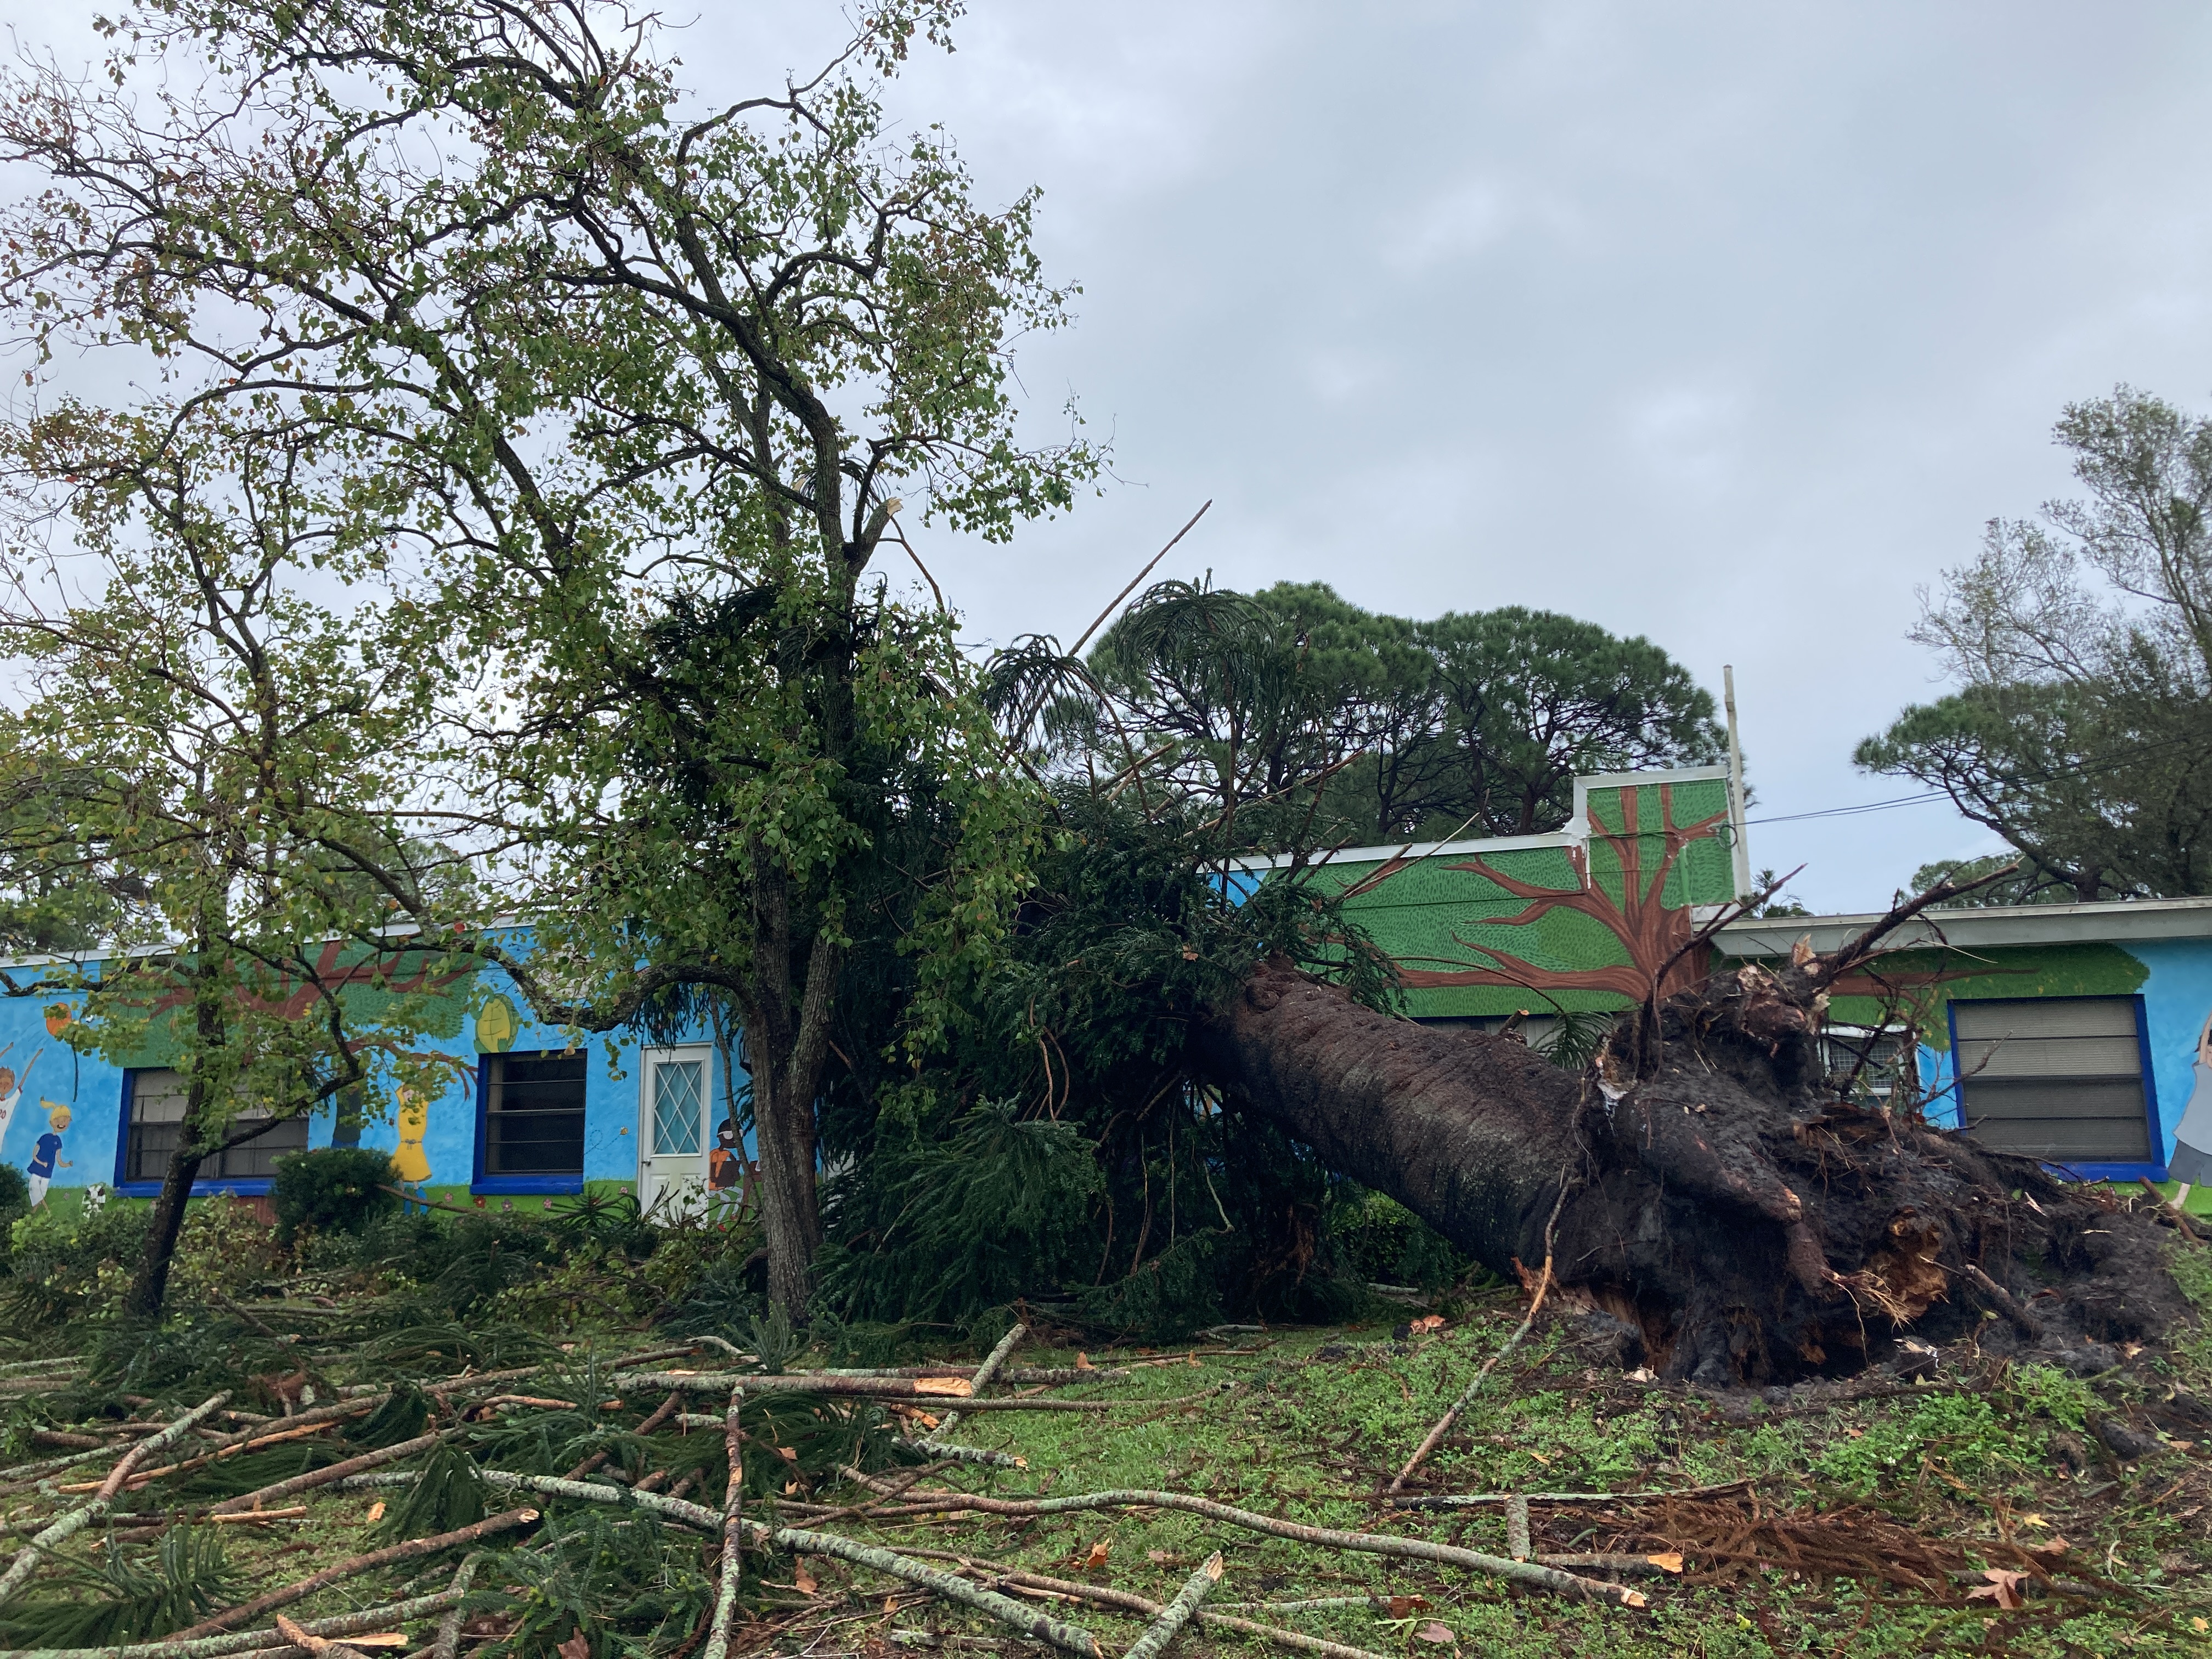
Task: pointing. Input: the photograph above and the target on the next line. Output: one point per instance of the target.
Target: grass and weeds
(1864, 1525)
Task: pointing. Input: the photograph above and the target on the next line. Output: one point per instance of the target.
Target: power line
(2128, 758)
(1852, 811)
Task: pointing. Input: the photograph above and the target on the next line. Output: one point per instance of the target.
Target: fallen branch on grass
(730, 1567)
(1444, 1426)
(1481, 1499)
(262, 1644)
(1130, 1602)
(667, 1410)
(390, 1556)
(887, 1388)
(982, 1380)
(934, 1447)
(333, 1473)
(1413, 1549)
(968, 1405)
(1177, 1613)
(251, 1440)
(1068, 1638)
(793, 1541)
(447, 1643)
(83, 1516)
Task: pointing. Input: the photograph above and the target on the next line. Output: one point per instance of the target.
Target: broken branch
(76, 1520)
(1177, 1613)
(359, 1563)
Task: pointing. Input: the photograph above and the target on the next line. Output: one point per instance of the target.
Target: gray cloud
(1727, 324)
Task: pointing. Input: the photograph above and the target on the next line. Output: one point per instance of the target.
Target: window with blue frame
(156, 1124)
(2059, 1079)
(533, 1120)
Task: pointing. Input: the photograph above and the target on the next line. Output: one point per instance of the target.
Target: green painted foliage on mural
(1935, 978)
(1444, 914)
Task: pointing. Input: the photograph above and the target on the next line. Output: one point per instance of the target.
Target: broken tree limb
(666, 1410)
(934, 1447)
(1068, 1638)
(1479, 1500)
(332, 1474)
(1516, 1528)
(1177, 1613)
(885, 1388)
(1130, 1602)
(1013, 1377)
(1370, 1543)
(989, 1369)
(2003, 1301)
(447, 1643)
(968, 1405)
(84, 1514)
(302, 1588)
(252, 1440)
(263, 1643)
(729, 1569)
(593, 1491)
(1444, 1426)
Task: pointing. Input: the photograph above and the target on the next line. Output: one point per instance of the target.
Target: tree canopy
(2081, 730)
(1476, 722)
(619, 390)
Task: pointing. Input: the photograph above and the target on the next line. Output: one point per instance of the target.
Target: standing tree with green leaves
(196, 734)
(2081, 731)
(632, 382)
(1476, 722)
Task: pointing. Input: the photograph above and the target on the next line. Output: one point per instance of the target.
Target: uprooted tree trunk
(1740, 1222)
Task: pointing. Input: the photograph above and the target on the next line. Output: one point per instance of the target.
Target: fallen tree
(1726, 1217)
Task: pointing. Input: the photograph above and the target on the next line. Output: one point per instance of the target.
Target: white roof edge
(82, 958)
(1414, 851)
(2014, 924)
(1624, 780)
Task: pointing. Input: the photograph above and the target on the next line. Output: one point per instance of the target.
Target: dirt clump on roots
(1754, 1228)
(1702, 1184)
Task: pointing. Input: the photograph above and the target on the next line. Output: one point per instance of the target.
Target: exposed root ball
(1734, 1220)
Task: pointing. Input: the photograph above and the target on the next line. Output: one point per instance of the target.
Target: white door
(671, 1162)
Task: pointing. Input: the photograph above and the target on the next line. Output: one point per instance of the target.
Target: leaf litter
(526, 1495)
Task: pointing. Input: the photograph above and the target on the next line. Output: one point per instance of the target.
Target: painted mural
(2191, 1162)
(62, 1121)
(1591, 917)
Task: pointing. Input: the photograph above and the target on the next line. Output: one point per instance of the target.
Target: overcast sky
(1729, 326)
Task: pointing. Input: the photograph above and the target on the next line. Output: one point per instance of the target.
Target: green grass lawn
(1307, 1425)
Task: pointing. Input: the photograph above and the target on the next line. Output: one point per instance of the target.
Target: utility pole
(1736, 824)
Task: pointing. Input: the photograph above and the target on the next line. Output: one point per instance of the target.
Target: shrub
(63, 1269)
(223, 1249)
(333, 1189)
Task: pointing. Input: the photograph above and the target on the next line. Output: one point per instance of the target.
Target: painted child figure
(11, 1090)
(41, 1166)
(2191, 1162)
(723, 1164)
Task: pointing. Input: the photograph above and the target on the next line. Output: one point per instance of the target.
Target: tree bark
(150, 1284)
(1727, 1218)
(786, 1038)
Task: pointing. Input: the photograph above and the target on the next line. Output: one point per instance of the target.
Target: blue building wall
(444, 1165)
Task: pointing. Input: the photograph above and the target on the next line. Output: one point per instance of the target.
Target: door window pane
(676, 1107)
